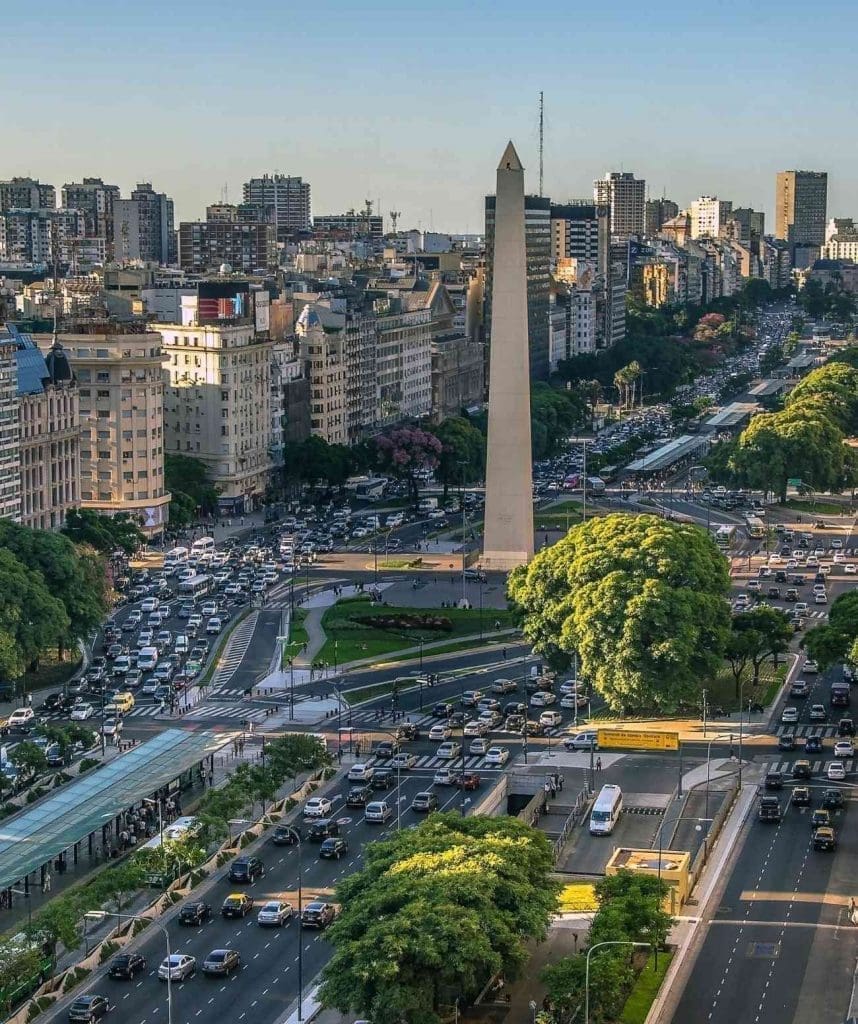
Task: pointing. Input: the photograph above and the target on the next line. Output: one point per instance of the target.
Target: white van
(606, 811)
(203, 546)
(147, 659)
(174, 558)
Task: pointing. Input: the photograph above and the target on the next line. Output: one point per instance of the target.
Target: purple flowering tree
(403, 451)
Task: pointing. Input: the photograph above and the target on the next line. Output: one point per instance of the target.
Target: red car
(467, 781)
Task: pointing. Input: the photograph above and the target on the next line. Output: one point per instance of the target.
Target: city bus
(755, 526)
(724, 536)
(174, 558)
(606, 810)
(203, 546)
(196, 587)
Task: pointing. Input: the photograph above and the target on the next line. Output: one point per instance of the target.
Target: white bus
(724, 535)
(606, 811)
(203, 546)
(179, 829)
(196, 586)
(174, 558)
(754, 526)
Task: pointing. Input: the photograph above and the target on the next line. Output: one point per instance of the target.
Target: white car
(588, 740)
(549, 719)
(542, 698)
(850, 569)
(442, 731)
(836, 771)
(844, 748)
(317, 807)
(360, 532)
(214, 626)
(476, 727)
(478, 747)
(820, 598)
(801, 608)
(21, 717)
(810, 668)
(497, 755)
(177, 967)
(274, 914)
(360, 773)
(837, 543)
(112, 727)
(403, 760)
(789, 714)
(742, 601)
(80, 712)
(839, 558)
(449, 750)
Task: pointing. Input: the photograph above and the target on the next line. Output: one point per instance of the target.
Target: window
(128, 455)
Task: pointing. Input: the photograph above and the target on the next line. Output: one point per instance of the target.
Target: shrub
(87, 763)
(404, 621)
(107, 950)
(74, 978)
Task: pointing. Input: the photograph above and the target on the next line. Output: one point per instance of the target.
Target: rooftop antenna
(541, 138)
(394, 217)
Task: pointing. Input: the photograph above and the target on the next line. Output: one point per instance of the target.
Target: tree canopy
(406, 450)
(834, 641)
(435, 912)
(641, 600)
(32, 619)
(463, 452)
(106, 534)
(191, 490)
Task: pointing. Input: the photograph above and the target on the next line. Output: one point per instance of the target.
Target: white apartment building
(403, 360)
(218, 405)
(709, 214)
(841, 247)
(324, 353)
(10, 451)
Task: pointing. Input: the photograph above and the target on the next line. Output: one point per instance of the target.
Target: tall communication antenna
(541, 137)
(394, 217)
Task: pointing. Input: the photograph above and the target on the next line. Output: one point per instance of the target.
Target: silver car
(274, 914)
(177, 967)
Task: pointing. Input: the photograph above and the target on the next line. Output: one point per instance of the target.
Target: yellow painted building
(674, 870)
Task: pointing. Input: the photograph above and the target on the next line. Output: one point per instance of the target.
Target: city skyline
(375, 107)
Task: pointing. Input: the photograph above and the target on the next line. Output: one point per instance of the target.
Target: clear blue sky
(413, 105)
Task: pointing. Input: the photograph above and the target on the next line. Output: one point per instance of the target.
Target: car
(550, 719)
(836, 543)
(442, 731)
(237, 904)
(800, 796)
(404, 760)
(274, 914)
(820, 598)
(754, 586)
(845, 727)
(285, 835)
(786, 741)
(789, 715)
(820, 817)
(491, 716)
(89, 1008)
(774, 780)
(318, 914)
(359, 796)
(112, 727)
(22, 716)
(208, 608)
(386, 749)
(769, 809)
(195, 913)
(824, 838)
(424, 802)
(832, 799)
(542, 698)
(476, 727)
(810, 668)
(836, 771)
(444, 777)
(126, 965)
(442, 710)
(317, 807)
(504, 686)
(449, 750)
(588, 740)
(81, 712)
(851, 569)
(177, 967)
(773, 593)
(377, 812)
(333, 848)
(497, 755)
(799, 688)
(813, 744)
(322, 828)
(246, 869)
(844, 749)
(515, 707)
(489, 704)
(801, 608)
(468, 781)
(360, 773)
(382, 779)
(470, 698)
(222, 962)
(478, 747)
(801, 769)
(818, 713)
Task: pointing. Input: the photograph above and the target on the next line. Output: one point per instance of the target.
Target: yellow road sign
(637, 739)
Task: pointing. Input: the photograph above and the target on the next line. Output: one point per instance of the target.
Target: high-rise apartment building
(537, 228)
(283, 201)
(26, 194)
(324, 354)
(582, 231)
(709, 216)
(750, 227)
(121, 394)
(246, 247)
(10, 449)
(658, 212)
(626, 196)
(801, 199)
(218, 403)
(42, 236)
(353, 224)
(95, 200)
(49, 424)
(143, 227)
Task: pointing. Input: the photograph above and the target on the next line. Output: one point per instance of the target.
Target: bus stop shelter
(43, 834)
(670, 455)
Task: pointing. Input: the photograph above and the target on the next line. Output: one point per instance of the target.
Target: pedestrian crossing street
(235, 650)
(206, 710)
(819, 767)
(431, 762)
(827, 732)
(368, 716)
(228, 693)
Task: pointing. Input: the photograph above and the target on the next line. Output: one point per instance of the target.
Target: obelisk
(508, 535)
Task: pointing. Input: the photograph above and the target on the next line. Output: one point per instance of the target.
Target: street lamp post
(590, 952)
(100, 915)
(297, 837)
(285, 642)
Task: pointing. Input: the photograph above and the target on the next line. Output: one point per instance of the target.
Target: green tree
(463, 452)
(189, 479)
(831, 643)
(768, 633)
(31, 618)
(104, 533)
(835, 387)
(435, 912)
(641, 600)
(848, 355)
(555, 413)
(29, 758)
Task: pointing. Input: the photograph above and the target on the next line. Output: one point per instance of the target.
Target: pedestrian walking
(598, 764)
(504, 654)
(29, 700)
(46, 882)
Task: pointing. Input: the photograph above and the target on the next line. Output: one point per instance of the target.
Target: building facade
(283, 201)
(247, 247)
(26, 194)
(323, 352)
(95, 200)
(121, 396)
(841, 247)
(10, 446)
(625, 195)
(353, 224)
(41, 236)
(143, 227)
(801, 201)
(709, 216)
(656, 213)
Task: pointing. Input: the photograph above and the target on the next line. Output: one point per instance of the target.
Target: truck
(840, 694)
(427, 504)
(770, 809)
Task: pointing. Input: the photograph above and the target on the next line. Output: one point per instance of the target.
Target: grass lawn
(721, 691)
(823, 508)
(297, 633)
(357, 640)
(457, 645)
(644, 990)
(577, 898)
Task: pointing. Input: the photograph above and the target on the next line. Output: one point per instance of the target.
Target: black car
(323, 828)
(800, 796)
(382, 779)
(801, 769)
(126, 965)
(780, 576)
(195, 913)
(769, 809)
(359, 796)
(774, 780)
(246, 869)
(786, 741)
(773, 592)
(407, 731)
(333, 848)
(285, 835)
(89, 1008)
(442, 710)
(813, 745)
(386, 749)
(515, 707)
(832, 800)
(57, 702)
(317, 914)
(222, 961)
(845, 727)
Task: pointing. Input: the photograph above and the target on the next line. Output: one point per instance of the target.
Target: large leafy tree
(641, 600)
(767, 633)
(554, 415)
(315, 461)
(104, 533)
(463, 452)
(405, 451)
(32, 619)
(187, 480)
(833, 642)
(835, 385)
(435, 912)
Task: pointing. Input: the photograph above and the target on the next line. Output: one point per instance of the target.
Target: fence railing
(581, 801)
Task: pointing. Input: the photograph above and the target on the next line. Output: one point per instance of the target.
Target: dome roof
(308, 319)
(58, 364)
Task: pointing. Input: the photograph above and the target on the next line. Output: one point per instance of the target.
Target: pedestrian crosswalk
(430, 761)
(825, 732)
(816, 767)
(369, 716)
(241, 711)
(236, 648)
(228, 693)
